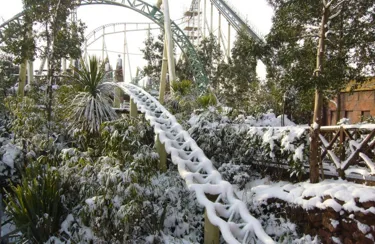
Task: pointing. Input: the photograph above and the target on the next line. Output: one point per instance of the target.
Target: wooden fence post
(342, 152)
(211, 232)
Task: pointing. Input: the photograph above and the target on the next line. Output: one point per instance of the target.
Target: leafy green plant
(207, 100)
(183, 87)
(122, 138)
(28, 118)
(35, 205)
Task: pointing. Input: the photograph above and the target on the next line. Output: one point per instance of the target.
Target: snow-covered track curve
(229, 213)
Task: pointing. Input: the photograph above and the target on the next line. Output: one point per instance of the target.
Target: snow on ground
(310, 196)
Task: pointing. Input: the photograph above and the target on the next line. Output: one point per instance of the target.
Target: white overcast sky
(256, 12)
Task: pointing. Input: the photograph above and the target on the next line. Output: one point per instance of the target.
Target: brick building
(356, 104)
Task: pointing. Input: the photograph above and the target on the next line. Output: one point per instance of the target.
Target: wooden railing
(349, 148)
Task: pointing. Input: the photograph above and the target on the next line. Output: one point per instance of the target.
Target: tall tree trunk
(49, 80)
(342, 66)
(52, 66)
(317, 120)
(22, 79)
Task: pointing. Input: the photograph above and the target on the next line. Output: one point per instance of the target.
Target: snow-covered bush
(28, 117)
(251, 141)
(116, 195)
(107, 192)
(12, 159)
(183, 215)
(238, 175)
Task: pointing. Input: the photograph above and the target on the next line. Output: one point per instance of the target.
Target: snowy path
(229, 213)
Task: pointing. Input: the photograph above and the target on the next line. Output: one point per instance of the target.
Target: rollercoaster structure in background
(198, 22)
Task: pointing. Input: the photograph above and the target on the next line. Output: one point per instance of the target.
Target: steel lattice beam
(237, 22)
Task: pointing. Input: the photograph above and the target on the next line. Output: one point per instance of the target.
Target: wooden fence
(348, 149)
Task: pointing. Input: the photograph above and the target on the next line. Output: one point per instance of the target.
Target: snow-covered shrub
(183, 215)
(12, 159)
(28, 117)
(123, 203)
(35, 205)
(107, 193)
(92, 104)
(120, 137)
(245, 141)
(239, 175)
(116, 194)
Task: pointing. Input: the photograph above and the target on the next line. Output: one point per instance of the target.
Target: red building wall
(354, 106)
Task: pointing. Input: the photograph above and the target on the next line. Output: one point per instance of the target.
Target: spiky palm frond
(89, 76)
(92, 105)
(89, 112)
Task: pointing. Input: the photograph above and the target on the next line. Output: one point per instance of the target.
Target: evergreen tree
(319, 46)
(8, 78)
(210, 56)
(235, 78)
(293, 40)
(153, 54)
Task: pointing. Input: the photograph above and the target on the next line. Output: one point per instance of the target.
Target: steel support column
(168, 32)
(219, 30)
(228, 50)
(212, 18)
(204, 18)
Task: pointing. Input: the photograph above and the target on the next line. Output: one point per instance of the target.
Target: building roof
(367, 85)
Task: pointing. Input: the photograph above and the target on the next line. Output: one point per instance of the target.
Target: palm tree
(92, 105)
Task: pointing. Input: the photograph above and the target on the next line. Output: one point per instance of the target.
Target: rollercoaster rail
(229, 213)
(236, 20)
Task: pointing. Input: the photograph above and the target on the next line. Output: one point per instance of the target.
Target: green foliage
(25, 43)
(153, 54)
(35, 205)
(182, 88)
(28, 119)
(207, 100)
(18, 41)
(92, 105)
(120, 137)
(291, 48)
(234, 78)
(183, 100)
(110, 186)
(8, 78)
(210, 56)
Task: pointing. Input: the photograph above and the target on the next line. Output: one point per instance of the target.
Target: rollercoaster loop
(229, 213)
(154, 14)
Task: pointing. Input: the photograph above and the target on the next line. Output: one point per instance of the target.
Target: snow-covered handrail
(229, 213)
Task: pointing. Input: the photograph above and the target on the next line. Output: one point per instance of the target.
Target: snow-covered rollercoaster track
(229, 213)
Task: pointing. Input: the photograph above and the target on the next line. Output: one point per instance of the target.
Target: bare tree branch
(335, 15)
(325, 3)
(328, 4)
